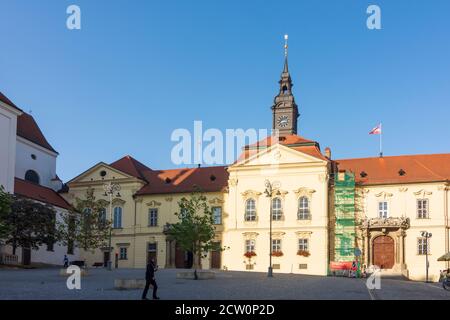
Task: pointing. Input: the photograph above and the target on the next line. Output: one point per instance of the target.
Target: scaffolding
(345, 226)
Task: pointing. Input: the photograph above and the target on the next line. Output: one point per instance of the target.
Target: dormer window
(401, 172)
(32, 176)
(168, 180)
(363, 174)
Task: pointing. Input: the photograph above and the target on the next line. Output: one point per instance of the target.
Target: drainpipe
(447, 227)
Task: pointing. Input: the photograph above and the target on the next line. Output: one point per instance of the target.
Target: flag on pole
(376, 130)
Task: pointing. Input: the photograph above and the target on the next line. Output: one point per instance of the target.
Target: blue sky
(137, 70)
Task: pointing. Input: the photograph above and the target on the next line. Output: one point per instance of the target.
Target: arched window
(117, 217)
(303, 209)
(250, 210)
(277, 210)
(32, 176)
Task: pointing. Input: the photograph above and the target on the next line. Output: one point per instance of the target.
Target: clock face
(283, 121)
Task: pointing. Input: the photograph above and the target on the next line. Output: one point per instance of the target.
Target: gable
(278, 155)
(100, 172)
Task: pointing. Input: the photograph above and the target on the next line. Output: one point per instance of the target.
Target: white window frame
(304, 211)
(303, 244)
(423, 213)
(423, 245)
(276, 245)
(153, 217)
(383, 213)
(250, 212)
(118, 224)
(277, 211)
(123, 256)
(250, 245)
(217, 218)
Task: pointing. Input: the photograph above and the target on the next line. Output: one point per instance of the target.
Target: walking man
(150, 280)
(66, 261)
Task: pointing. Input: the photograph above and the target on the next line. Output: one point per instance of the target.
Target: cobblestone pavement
(43, 284)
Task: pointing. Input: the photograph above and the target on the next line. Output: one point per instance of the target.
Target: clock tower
(284, 110)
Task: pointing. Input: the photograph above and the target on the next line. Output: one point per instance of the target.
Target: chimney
(328, 152)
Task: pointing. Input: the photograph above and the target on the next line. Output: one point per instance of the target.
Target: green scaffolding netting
(344, 203)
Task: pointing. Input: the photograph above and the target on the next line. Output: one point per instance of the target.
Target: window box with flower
(277, 254)
(250, 254)
(303, 253)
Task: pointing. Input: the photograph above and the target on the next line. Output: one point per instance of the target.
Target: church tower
(284, 110)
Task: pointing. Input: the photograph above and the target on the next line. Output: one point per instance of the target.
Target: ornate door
(383, 252)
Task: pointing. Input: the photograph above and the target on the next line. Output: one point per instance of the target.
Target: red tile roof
(131, 166)
(386, 170)
(40, 193)
(27, 128)
(5, 99)
(208, 179)
(293, 141)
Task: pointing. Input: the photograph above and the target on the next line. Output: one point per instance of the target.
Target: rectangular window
(276, 266)
(303, 266)
(383, 211)
(217, 215)
(276, 245)
(250, 245)
(123, 254)
(303, 245)
(422, 209)
(277, 210)
(423, 246)
(153, 217)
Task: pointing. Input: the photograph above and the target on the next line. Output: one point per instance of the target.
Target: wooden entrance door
(26, 256)
(383, 252)
(215, 258)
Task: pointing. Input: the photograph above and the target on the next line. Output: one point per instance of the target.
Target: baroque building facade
(324, 212)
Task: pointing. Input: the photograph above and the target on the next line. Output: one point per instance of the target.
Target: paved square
(43, 284)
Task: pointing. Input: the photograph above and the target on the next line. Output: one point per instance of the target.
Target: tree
(195, 230)
(5, 209)
(86, 225)
(30, 224)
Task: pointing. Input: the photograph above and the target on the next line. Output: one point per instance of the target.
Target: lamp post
(110, 189)
(427, 235)
(269, 193)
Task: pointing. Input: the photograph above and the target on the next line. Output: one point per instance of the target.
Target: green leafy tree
(195, 230)
(5, 209)
(30, 224)
(86, 225)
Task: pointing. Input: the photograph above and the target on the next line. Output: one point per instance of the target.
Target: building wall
(44, 164)
(8, 128)
(402, 200)
(297, 175)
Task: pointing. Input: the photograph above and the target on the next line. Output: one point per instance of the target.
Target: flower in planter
(303, 253)
(277, 254)
(250, 254)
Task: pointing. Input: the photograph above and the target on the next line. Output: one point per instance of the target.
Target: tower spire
(285, 110)
(286, 69)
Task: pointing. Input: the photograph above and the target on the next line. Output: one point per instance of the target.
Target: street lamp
(427, 235)
(269, 193)
(110, 189)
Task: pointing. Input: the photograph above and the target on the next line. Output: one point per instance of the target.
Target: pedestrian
(66, 261)
(150, 280)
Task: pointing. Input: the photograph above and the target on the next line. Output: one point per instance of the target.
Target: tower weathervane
(286, 37)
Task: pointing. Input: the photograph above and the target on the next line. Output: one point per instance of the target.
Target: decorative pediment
(304, 192)
(118, 202)
(250, 235)
(403, 189)
(384, 195)
(153, 203)
(422, 193)
(374, 223)
(169, 199)
(251, 194)
(216, 201)
(103, 202)
(233, 182)
(304, 234)
(278, 234)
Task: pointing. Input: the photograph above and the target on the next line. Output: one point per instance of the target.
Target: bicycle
(445, 279)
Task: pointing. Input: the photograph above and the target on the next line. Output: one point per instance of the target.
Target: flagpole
(381, 141)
